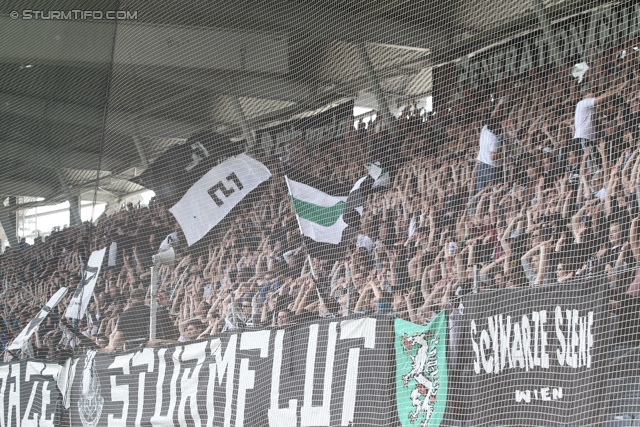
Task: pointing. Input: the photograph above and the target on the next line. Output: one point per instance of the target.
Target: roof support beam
(281, 114)
(385, 112)
(74, 209)
(22, 187)
(8, 222)
(243, 84)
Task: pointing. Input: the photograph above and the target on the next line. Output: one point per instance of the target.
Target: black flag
(178, 168)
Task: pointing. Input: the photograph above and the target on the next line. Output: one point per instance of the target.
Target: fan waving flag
(328, 231)
(202, 181)
(83, 293)
(319, 214)
(421, 371)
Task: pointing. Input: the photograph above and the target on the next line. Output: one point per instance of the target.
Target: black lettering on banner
(226, 191)
(233, 177)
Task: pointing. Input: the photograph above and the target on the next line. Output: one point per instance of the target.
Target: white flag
(81, 298)
(213, 196)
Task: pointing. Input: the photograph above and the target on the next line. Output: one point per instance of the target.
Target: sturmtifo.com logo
(74, 15)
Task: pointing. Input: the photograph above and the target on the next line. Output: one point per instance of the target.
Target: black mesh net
(319, 213)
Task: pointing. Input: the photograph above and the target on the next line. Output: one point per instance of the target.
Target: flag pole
(153, 309)
(286, 180)
(313, 273)
(314, 277)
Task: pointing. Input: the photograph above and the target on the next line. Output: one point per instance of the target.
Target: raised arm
(364, 296)
(532, 276)
(633, 238)
(487, 269)
(609, 94)
(612, 188)
(605, 161)
(576, 220)
(565, 205)
(542, 264)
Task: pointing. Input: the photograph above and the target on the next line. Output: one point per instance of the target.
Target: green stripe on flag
(324, 216)
(421, 371)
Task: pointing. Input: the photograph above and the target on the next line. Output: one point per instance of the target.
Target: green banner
(421, 371)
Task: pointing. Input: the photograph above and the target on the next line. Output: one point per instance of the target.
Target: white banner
(82, 296)
(213, 196)
(26, 333)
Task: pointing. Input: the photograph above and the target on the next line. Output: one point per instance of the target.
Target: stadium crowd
(530, 181)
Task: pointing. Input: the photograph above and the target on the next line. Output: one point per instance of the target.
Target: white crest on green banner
(421, 371)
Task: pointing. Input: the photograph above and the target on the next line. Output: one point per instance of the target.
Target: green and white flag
(421, 371)
(319, 214)
(379, 174)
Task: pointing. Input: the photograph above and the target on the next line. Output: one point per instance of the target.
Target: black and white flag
(26, 333)
(214, 195)
(82, 296)
(202, 180)
(181, 166)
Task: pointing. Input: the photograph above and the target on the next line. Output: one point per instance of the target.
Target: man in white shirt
(583, 120)
(487, 156)
(486, 169)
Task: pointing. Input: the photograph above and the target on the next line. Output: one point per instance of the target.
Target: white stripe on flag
(309, 194)
(319, 233)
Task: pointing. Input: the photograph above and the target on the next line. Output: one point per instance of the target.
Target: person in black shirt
(608, 253)
(133, 325)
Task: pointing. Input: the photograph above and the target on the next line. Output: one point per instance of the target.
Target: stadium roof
(82, 94)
